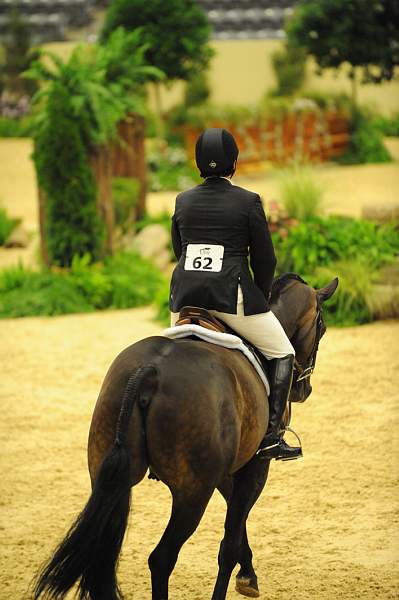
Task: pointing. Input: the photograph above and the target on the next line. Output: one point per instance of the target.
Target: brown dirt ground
(324, 528)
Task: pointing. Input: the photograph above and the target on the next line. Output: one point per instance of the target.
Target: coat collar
(219, 181)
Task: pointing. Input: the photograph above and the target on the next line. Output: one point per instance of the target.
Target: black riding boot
(280, 377)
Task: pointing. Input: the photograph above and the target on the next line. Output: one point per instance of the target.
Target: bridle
(304, 372)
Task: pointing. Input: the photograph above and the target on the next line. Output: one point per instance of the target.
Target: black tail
(89, 553)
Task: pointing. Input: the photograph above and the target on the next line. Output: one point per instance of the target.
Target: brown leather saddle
(192, 315)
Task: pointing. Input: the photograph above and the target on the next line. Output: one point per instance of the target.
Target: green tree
(17, 56)
(363, 33)
(72, 224)
(175, 34)
(78, 108)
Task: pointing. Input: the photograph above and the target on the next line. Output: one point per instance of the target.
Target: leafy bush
(16, 128)
(354, 250)
(122, 281)
(319, 242)
(160, 219)
(301, 194)
(197, 89)
(388, 126)
(351, 303)
(289, 68)
(134, 281)
(25, 293)
(171, 171)
(366, 144)
(162, 305)
(7, 226)
(330, 101)
(207, 114)
(125, 192)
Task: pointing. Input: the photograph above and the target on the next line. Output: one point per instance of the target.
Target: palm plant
(104, 83)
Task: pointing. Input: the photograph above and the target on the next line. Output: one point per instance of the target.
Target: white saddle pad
(227, 340)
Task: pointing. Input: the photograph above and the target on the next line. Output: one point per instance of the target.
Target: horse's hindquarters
(208, 414)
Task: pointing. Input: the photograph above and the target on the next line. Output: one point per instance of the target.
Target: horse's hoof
(246, 587)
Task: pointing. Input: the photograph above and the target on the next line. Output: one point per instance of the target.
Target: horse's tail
(89, 553)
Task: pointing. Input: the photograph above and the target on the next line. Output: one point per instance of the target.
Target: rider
(214, 226)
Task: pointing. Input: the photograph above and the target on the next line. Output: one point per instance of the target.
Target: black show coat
(217, 212)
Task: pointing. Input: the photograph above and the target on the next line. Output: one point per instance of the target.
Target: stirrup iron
(299, 442)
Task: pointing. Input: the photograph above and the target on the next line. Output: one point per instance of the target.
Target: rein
(301, 372)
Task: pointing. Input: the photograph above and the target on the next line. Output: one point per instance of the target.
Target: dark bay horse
(194, 413)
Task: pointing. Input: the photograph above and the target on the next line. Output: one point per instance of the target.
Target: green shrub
(318, 242)
(351, 303)
(122, 281)
(171, 171)
(388, 126)
(361, 296)
(330, 101)
(197, 89)
(160, 219)
(7, 226)
(25, 293)
(91, 282)
(125, 192)
(162, 305)
(366, 143)
(16, 128)
(300, 192)
(134, 281)
(207, 114)
(289, 68)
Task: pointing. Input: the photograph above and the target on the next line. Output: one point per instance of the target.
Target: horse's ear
(326, 292)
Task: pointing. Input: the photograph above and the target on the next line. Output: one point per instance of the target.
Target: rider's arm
(261, 251)
(176, 239)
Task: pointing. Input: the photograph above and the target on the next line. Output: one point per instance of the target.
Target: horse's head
(300, 309)
(310, 330)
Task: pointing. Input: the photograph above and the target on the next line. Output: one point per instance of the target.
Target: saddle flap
(199, 316)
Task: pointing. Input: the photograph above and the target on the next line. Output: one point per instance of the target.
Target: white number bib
(204, 257)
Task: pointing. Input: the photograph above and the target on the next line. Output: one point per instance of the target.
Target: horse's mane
(279, 283)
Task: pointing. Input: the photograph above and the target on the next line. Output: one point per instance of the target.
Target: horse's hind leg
(246, 579)
(187, 511)
(248, 484)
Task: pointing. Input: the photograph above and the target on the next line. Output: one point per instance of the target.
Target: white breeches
(264, 330)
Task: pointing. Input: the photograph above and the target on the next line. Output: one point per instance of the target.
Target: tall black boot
(280, 378)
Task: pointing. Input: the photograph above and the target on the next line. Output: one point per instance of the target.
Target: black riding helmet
(216, 152)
